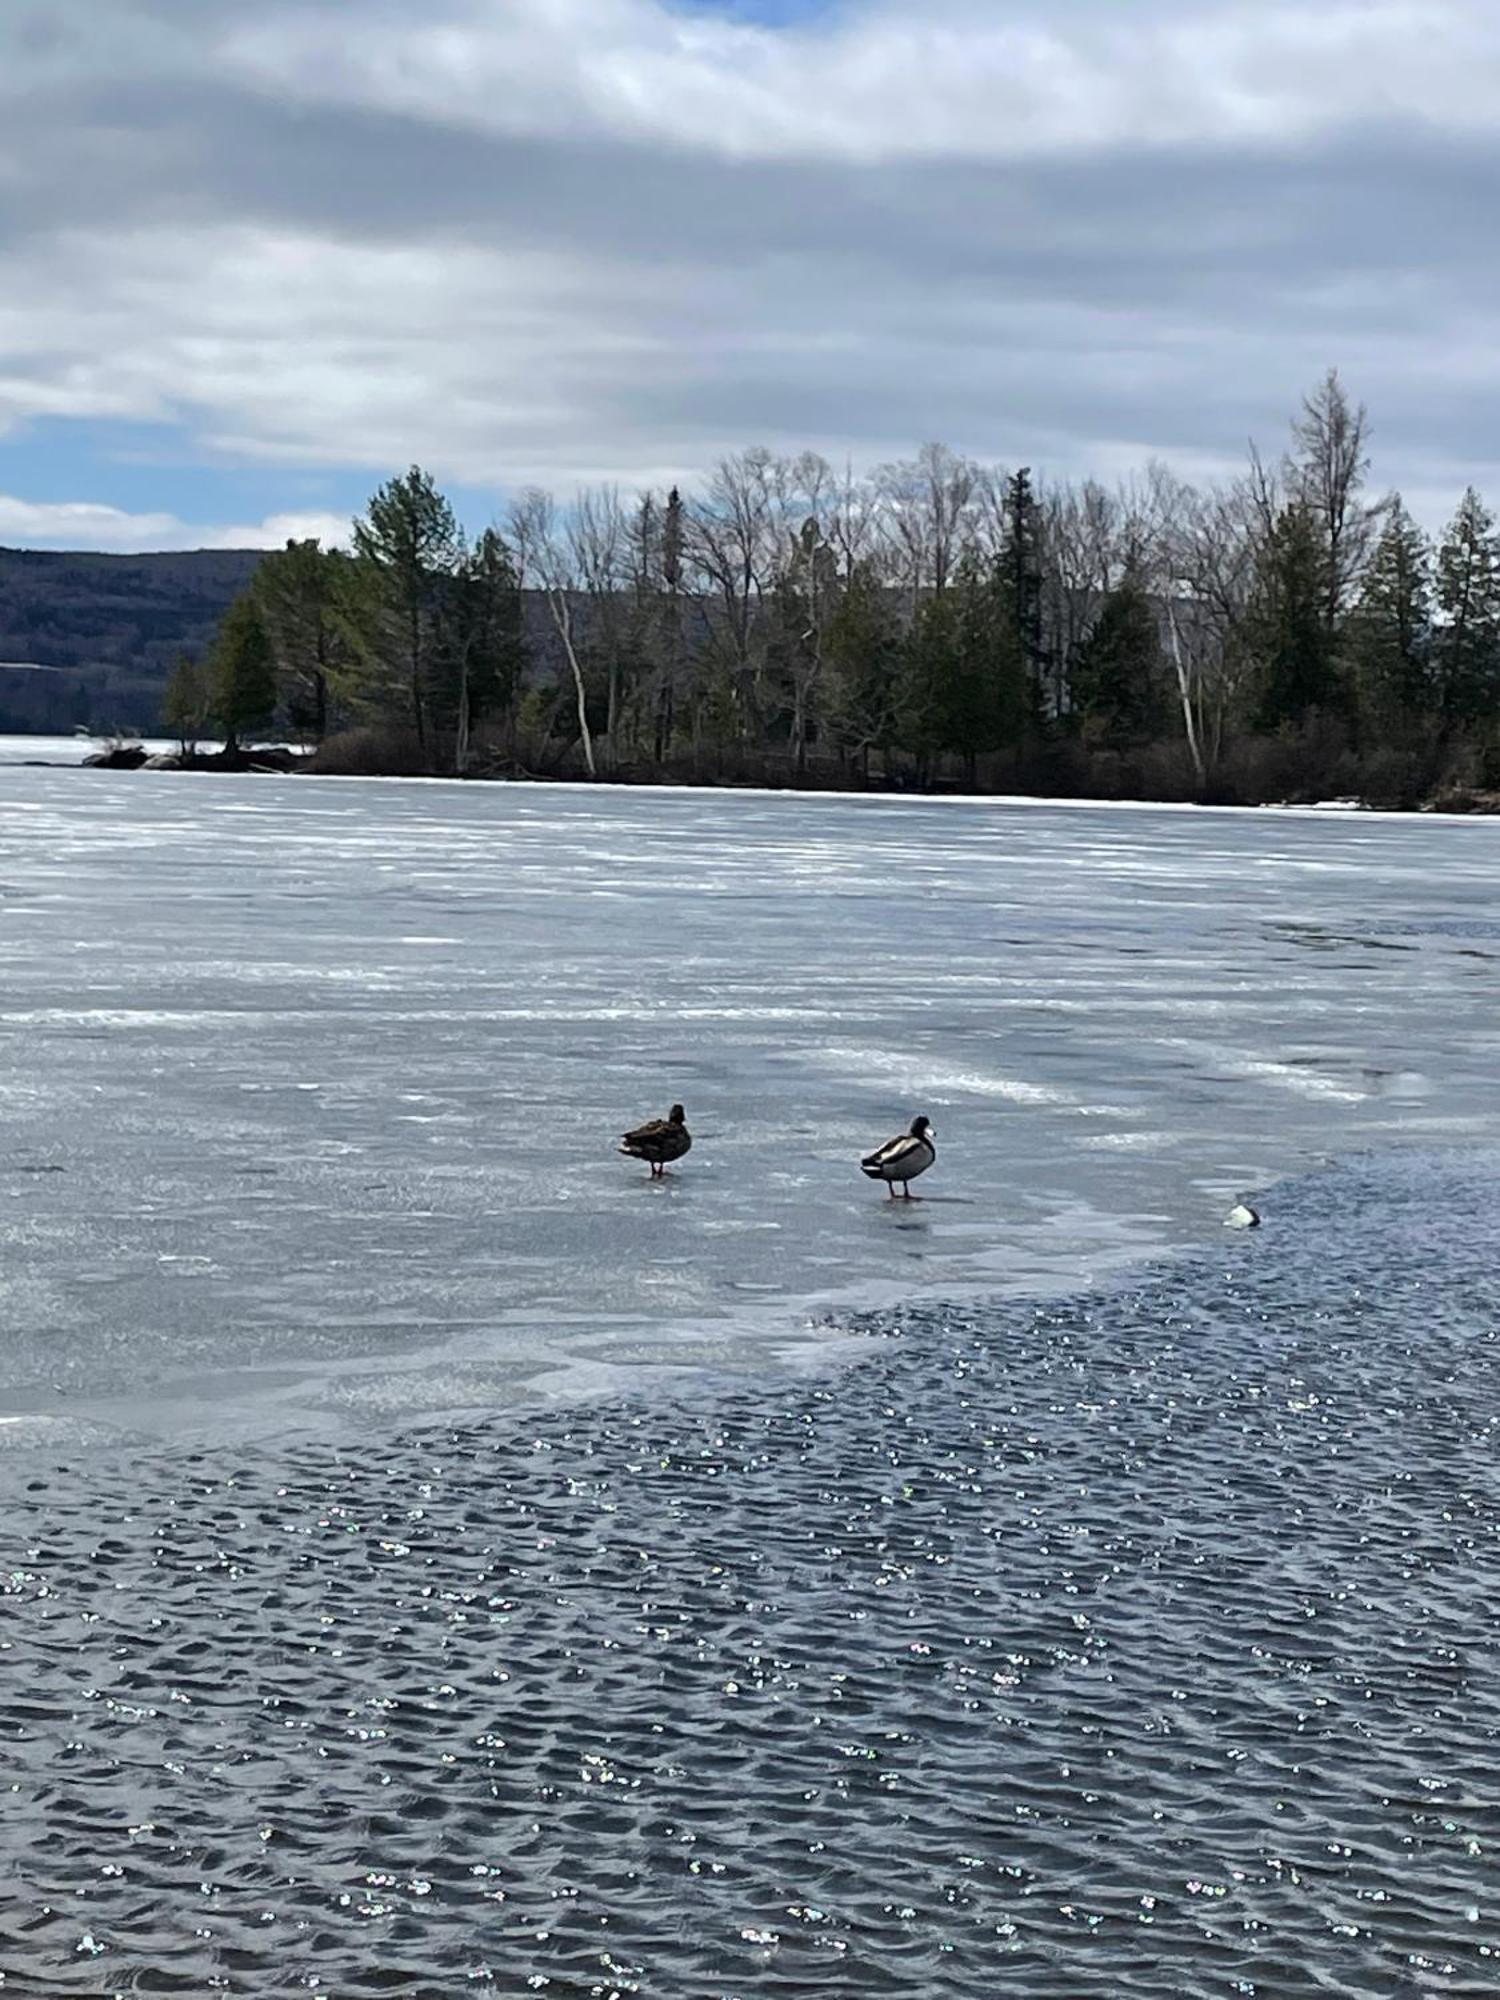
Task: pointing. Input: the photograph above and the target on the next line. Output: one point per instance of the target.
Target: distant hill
(89, 640)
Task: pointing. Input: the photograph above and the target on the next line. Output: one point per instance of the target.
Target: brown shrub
(372, 751)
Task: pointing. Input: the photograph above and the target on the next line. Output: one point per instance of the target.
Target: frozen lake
(435, 1560)
(311, 1088)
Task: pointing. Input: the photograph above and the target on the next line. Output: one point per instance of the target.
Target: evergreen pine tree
(301, 591)
(1390, 635)
(970, 688)
(933, 675)
(1117, 685)
(669, 644)
(409, 545)
(671, 543)
(1466, 650)
(864, 655)
(242, 673)
(1289, 629)
(1021, 580)
(999, 691)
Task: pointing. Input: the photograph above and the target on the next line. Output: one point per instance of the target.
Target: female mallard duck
(658, 1141)
(903, 1158)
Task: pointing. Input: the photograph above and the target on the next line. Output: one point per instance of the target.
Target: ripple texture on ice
(1142, 1644)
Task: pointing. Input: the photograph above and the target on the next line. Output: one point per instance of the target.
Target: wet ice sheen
(1141, 1644)
(310, 1090)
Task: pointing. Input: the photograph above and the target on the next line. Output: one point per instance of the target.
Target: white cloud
(81, 524)
(88, 524)
(274, 532)
(889, 79)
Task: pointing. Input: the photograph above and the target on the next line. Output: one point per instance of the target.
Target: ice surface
(1131, 1646)
(311, 1088)
(1129, 1642)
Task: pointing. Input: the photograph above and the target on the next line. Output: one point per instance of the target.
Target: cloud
(85, 524)
(557, 241)
(81, 524)
(275, 531)
(949, 78)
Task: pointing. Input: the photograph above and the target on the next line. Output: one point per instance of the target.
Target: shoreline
(279, 761)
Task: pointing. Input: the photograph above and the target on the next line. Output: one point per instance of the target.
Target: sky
(256, 258)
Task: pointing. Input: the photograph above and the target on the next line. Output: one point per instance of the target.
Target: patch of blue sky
(149, 468)
(769, 13)
(145, 468)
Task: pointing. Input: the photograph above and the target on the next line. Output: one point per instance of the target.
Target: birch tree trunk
(546, 552)
(562, 617)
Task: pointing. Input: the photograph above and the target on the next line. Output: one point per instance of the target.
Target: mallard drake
(903, 1158)
(658, 1141)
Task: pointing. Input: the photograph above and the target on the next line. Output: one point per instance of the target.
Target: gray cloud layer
(559, 240)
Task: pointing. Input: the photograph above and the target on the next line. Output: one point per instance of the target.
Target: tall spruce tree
(1466, 650)
(863, 648)
(1390, 634)
(1118, 685)
(669, 642)
(1290, 631)
(1021, 579)
(933, 671)
(998, 671)
(971, 690)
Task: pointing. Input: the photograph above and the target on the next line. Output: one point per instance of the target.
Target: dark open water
(1139, 1644)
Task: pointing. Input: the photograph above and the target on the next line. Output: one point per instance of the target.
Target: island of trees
(937, 624)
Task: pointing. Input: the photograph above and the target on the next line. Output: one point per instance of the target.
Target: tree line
(935, 623)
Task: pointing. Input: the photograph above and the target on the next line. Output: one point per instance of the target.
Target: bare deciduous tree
(1081, 538)
(733, 540)
(928, 507)
(1201, 555)
(545, 561)
(598, 548)
(1327, 471)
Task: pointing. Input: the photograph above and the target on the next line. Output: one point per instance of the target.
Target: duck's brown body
(659, 1141)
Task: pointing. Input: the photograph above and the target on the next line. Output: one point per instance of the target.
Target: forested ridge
(99, 634)
(935, 624)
